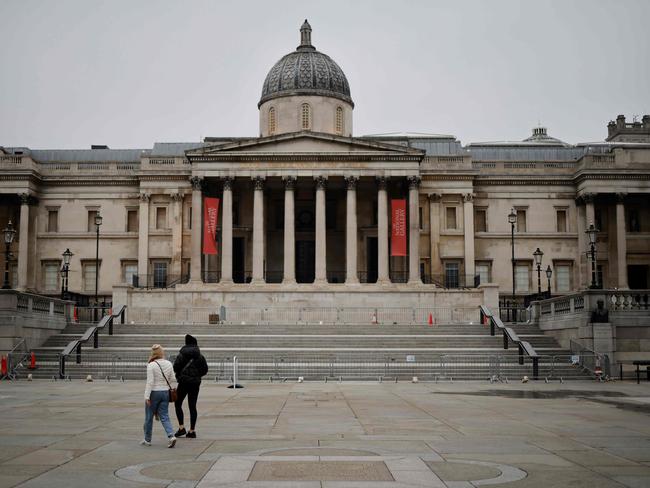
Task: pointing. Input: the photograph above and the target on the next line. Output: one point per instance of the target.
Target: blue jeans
(160, 404)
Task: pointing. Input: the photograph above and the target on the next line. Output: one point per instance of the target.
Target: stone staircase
(313, 351)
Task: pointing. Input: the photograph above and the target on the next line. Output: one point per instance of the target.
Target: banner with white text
(398, 228)
(210, 219)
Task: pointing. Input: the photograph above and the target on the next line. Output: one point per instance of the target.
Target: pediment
(299, 143)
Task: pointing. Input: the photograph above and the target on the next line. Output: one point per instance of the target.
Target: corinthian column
(177, 233)
(143, 237)
(351, 231)
(468, 228)
(197, 211)
(258, 230)
(321, 232)
(23, 241)
(226, 232)
(382, 230)
(621, 241)
(414, 230)
(289, 275)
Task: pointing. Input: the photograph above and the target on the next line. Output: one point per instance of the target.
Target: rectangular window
(522, 278)
(633, 222)
(521, 221)
(91, 220)
(89, 273)
(451, 275)
(560, 220)
(451, 217)
(161, 218)
(600, 216)
(421, 220)
(129, 270)
(132, 223)
(562, 278)
(51, 276)
(159, 275)
(480, 220)
(53, 221)
(483, 270)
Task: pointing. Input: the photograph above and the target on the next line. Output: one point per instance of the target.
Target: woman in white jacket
(160, 373)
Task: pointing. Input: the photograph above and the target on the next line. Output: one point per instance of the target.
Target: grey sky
(129, 73)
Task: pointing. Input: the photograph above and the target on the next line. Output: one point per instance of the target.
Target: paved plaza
(456, 435)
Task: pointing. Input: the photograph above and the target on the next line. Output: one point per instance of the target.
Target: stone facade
(309, 205)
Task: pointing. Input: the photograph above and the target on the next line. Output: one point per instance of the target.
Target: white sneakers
(172, 442)
(144, 442)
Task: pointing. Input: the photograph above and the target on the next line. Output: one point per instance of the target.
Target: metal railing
(93, 331)
(595, 362)
(509, 335)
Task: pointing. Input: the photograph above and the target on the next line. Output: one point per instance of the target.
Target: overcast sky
(130, 73)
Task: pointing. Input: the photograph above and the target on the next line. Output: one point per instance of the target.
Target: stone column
(382, 230)
(468, 225)
(414, 230)
(321, 231)
(434, 233)
(197, 235)
(226, 232)
(177, 234)
(582, 243)
(258, 230)
(289, 275)
(621, 241)
(351, 276)
(143, 237)
(23, 241)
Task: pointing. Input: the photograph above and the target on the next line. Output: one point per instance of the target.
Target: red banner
(210, 219)
(398, 228)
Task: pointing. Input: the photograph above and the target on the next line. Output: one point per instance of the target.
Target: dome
(306, 71)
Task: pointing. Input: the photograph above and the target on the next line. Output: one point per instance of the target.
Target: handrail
(509, 335)
(93, 331)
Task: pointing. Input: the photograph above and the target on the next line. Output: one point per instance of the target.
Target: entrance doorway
(238, 260)
(305, 261)
(371, 260)
(637, 276)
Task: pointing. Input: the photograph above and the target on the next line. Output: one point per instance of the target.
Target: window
(483, 270)
(132, 224)
(521, 221)
(560, 218)
(421, 220)
(451, 217)
(601, 219)
(53, 221)
(272, 121)
(129, 270)
(339, 120)
(633, 222)
(159, 275)
(161, 217)
(91, 220)
(451, 275)
(522, 278)
(562, 278)
(305, 116)
(89, 273)
(51, 276)
(480, 220)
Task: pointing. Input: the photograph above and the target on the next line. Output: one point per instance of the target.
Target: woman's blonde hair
(157, 352)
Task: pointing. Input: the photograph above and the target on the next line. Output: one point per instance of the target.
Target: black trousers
(192, 393)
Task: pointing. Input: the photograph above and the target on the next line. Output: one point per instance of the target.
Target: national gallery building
(309, 207)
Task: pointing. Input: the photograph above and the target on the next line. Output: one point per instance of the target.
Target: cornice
(303, 158)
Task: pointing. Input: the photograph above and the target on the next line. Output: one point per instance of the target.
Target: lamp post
(98, 223)
(538, 261)
(9, 233)
(512, 219)
(549, 273)
(592, 232)
(64, 272)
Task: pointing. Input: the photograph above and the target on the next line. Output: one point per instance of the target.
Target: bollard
(235, 371)
(32, 361)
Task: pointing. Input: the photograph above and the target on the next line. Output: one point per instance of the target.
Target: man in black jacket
(189, 366)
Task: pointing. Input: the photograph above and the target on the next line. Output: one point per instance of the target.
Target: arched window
(339, 120)
(305, 116)
(272, 121)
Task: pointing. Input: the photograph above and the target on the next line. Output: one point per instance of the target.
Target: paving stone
(178, 471)
(320, 471)
(462, 471)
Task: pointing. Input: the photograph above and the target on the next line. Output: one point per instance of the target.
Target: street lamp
(549, 273)
(9, 233)
(64, 272)
(538, 261)
(512, 219)
(592, 232)
(98, 223)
